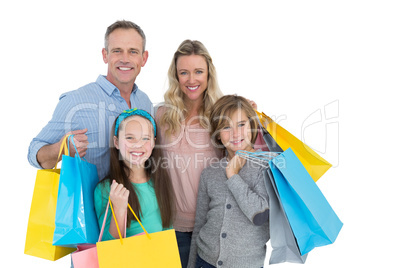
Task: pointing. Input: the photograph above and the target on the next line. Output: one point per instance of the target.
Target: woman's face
(192, 72)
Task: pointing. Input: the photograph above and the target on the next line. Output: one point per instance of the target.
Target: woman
(183, 120)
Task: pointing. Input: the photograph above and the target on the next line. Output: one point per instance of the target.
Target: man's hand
(47, 156)
(80, 141)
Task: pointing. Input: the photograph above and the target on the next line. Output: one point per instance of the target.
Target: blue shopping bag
(75, 220)
(313, 221)
(283, 242)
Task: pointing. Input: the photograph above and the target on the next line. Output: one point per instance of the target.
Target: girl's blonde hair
(176, 111)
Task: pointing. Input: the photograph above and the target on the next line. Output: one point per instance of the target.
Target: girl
(134, 178)
(231, 224)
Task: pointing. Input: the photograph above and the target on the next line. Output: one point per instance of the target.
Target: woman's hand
(234, 166)
(253, 104)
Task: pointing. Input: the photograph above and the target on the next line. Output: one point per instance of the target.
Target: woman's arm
(200, 219)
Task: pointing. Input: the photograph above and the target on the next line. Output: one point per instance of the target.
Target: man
(89, 111)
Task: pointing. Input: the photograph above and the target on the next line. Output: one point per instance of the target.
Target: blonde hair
(223, 109)
(176, 111)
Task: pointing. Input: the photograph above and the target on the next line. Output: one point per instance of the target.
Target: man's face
(124, 57)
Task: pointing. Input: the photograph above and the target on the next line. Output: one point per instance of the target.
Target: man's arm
(48, 154)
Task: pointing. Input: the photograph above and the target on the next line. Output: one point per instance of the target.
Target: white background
(294, 58)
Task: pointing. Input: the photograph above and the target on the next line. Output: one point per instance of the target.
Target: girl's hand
(234, 166)
(119, 197)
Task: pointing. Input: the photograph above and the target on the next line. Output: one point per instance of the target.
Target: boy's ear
(116, 142)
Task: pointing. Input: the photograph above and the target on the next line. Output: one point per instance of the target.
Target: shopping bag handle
(261, 158)
(70, 139)
(104, 223)
(262, 115)
(63, 147)
(117, 225)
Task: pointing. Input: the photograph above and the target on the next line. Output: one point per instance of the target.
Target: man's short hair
(124, 24)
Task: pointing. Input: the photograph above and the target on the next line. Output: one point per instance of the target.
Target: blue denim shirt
(94, 106)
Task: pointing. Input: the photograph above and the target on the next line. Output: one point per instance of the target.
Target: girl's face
(236, 133)
(136, 140)
(192, 72)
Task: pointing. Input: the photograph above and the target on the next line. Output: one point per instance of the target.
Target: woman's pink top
(188, 153)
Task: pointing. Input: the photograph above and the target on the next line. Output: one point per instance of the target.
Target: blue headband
(131, 112)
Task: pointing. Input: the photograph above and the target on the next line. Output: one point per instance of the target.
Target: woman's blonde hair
(176, 111)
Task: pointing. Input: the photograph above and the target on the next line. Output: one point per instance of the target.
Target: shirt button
(228, 206)
(220, 262)
(224, 235)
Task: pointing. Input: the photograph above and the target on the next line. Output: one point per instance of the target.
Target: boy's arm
(253, 201)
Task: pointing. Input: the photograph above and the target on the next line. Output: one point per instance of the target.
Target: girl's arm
(101, 198)
(119, 197)
(200, 219)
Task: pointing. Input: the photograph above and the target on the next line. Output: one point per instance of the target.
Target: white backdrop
(329, 71)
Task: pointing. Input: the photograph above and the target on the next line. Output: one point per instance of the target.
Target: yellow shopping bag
(41, 222)
(149, 250)
(314, 163)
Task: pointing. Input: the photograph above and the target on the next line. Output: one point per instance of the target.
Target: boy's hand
(234, 166)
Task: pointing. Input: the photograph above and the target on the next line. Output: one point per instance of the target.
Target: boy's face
(236, 133)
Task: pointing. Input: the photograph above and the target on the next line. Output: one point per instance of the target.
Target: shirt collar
(108, 87)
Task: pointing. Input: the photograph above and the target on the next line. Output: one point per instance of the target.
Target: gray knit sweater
(231, 223)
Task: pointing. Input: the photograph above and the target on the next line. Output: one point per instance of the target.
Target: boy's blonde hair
(223, 109)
